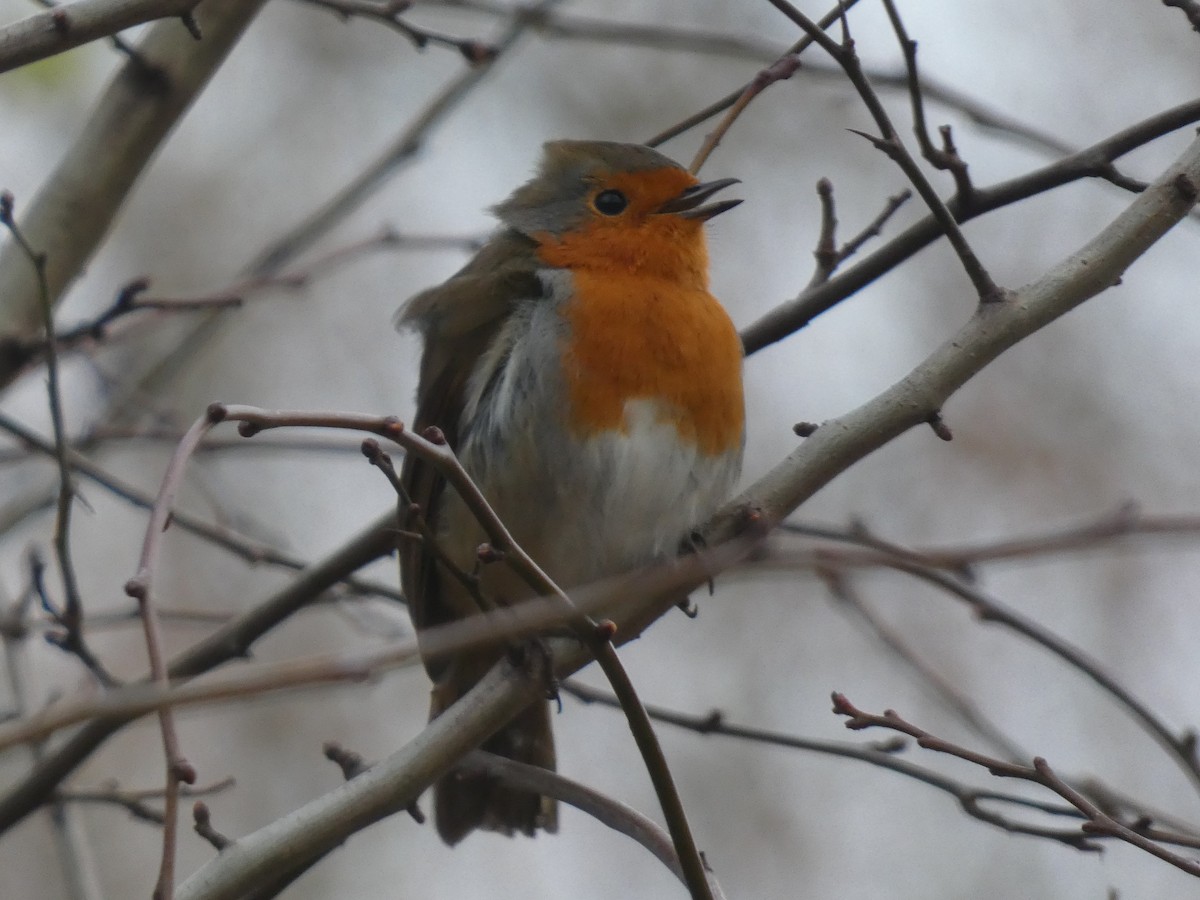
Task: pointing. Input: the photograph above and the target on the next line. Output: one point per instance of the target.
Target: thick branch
(72, 24)
(71, 214)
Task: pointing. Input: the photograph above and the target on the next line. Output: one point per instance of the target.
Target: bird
(591, 386)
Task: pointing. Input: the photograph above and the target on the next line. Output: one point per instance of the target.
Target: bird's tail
(464, 801)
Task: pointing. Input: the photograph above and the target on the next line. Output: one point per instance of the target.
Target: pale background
(1099, 409)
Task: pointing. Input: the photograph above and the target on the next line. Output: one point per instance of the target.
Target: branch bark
(71, 214)
(72, 24)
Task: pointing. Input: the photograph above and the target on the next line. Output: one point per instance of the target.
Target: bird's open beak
(688, 203)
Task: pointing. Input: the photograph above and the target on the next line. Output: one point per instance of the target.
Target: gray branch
(72, 24)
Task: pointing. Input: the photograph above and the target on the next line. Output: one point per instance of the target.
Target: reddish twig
(975, 802)
(140, 588)
(202, 822)
(1181, 747)
(780, 70)
(827, 254)
(251, 551)
(528, 618)
(730, 99)
(848, 597)
(1098, 822)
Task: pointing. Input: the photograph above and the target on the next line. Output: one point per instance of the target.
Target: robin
(592, 387)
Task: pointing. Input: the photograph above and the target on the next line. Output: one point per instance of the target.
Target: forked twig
(1097, 821)
(889, 142)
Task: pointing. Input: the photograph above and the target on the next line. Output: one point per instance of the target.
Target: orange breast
(634, 336)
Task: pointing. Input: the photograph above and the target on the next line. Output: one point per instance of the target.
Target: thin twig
(140, 588)
(827, 254)
(131, 298)
(229, 642)
(947, 157)
(1095, 161)
(1123, 524)
(428, 537)
(202, 823)
(389, 12)
(251, 551)
(134, 801)
(1181, 748)
(71, 616)
(844, 592)
(889, 142)
(403, 148)
(1098, 822)
(70, 840)
(610, 812)
(780, 70)
(733, 97)
(975, 802)
(528, 618)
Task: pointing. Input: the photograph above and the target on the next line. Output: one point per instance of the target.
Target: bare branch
(388, 12)
(251, 551)
(71, 24)
(889, 142)
(230, 641)
(432, 448)
(734, 97)
(828, 255)
(78, 201)
(1098, 822)
(973, 801)
(404, 148)
(1093, 162)
(947, 157)
(780, 70)
(134, 801)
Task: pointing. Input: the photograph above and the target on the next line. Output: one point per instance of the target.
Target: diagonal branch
(1092, 162)
(994, 328)
(1097, 821)
(72, 24)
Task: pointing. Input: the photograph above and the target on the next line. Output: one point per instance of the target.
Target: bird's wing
(459, 320)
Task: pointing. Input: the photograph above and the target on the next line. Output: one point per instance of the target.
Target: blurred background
(1098, 410)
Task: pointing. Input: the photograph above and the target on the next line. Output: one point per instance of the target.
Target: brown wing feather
(458, 320)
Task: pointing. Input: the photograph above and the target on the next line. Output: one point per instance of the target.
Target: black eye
(610, 203)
